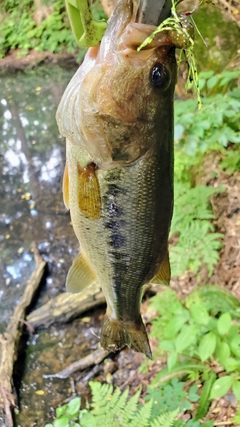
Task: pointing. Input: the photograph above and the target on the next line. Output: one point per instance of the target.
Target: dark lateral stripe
(114, 224)
(114, 210)
(114, 190)
(117, 240)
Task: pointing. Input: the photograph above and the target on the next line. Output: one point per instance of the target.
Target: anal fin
(163, 275)
(80, 275)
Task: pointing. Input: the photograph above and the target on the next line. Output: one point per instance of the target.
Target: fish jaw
(110, 105)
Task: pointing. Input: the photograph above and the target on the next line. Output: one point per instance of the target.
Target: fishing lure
(87, 31)
(180, 28)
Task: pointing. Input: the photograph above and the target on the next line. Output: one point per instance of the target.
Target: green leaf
(206, 74)
(73, 406)
(236, 389)
(224, 323)
(185, 338)
(178, 131)
(48, 425)
(87, 419)
(231, 364)
(61, 422)
(192, 394)
(207, 346)
(165, 420)
(204, 402)
(172, 360)
(61, 410)
(208, 424)
(174, 326)
(199, 314)
(235, 348)
(222, 352)
(212, 82)
(233, 331)
(166, 345)
(221, 387)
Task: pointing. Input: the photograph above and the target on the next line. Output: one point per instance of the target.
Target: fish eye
(160, 76)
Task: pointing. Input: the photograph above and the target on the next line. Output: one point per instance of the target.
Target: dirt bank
(14, 62)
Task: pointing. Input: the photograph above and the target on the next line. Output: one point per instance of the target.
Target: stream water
(31, 210)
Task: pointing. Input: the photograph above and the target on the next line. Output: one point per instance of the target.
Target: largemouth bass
(117, 117)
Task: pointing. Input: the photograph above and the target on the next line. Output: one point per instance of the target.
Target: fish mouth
(134, 33)
(126, 33)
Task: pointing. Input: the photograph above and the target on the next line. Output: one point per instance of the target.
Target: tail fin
(117, 334)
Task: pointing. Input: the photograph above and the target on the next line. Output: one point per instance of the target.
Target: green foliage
(231, 160)
(210, 82)
(215, 300)
(111, 408)
(67, 414)
(115, 409)
(214, 127)
(236, 418)
(19, 30)
(193, 423)
(164, 420)
(197, 242)
(204, 400)
(216, 124)
(171, 396)
(193, 337)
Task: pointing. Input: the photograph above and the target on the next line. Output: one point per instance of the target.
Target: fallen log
(9, 342)
(66, 306)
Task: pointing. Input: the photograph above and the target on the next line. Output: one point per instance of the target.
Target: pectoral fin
(89, 200)
(65, 187)
(80, 275)
(164, 273)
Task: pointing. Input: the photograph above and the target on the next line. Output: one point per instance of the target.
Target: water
(31, 210)
(31, 168)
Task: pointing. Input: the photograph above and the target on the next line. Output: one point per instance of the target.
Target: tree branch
(9, 342)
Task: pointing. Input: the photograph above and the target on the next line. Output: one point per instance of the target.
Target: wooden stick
(93, 358)
(223, 423)
(9, 342)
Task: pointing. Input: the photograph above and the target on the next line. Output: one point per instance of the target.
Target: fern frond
(165, 420)
(141, 419)
(100, 393)
(118, 406)
(115, 397)
(130, 409)
(113, 409)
